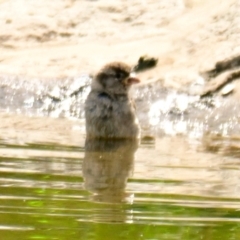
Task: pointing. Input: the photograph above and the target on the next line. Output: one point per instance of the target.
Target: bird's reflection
(107, 166)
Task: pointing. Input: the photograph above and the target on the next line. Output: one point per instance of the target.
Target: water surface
(180, 182)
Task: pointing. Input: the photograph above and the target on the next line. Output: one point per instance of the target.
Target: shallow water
(183, 184)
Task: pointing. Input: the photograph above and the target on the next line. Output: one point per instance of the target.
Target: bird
(109, 110)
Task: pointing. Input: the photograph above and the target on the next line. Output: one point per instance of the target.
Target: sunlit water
(181, 184)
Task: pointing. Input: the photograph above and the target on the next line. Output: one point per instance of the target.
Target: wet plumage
(109, 110)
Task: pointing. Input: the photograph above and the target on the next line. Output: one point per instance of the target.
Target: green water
(172, 188)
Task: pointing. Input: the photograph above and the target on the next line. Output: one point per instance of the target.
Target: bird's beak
(131, 79)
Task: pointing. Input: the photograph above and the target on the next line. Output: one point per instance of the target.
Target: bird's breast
(110, 117)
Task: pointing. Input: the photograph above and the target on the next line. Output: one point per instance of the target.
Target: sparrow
(109, 109)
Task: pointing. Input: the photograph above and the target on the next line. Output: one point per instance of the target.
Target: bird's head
(115, 78)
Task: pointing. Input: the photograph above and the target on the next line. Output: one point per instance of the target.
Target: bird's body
(110, 116)
(109, 110)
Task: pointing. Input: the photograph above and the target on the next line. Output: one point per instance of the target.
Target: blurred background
(181, 182)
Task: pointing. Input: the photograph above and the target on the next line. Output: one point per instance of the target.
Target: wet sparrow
(109, 110)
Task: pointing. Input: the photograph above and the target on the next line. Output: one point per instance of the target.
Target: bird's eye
(121, 75)
(118, 75)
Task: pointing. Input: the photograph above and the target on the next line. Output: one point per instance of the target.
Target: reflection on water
(107, 166)
(54, 187)
(182, 185)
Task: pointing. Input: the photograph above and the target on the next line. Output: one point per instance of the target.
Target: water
(179, 185)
